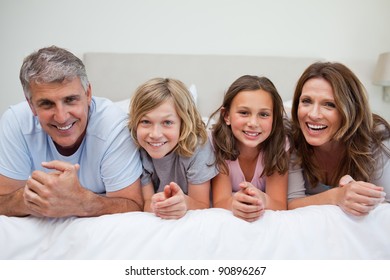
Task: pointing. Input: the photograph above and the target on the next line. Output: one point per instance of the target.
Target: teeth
(64, 127)
(316, 127)
(251, 134)
(157, 144)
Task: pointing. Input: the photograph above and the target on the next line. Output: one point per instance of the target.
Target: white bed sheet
(314, 232)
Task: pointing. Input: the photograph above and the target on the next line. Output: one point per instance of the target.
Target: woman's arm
(356, 198)
(326, 197)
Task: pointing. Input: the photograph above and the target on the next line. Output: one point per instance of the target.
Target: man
(62, 151)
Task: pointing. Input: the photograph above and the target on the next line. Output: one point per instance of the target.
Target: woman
(342, 148)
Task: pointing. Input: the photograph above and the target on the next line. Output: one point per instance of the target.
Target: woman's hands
(358, 198)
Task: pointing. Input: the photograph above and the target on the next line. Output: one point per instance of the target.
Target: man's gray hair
(51, 65)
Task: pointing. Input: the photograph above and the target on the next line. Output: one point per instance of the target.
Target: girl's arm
(222, 191)
(276, 191)
(249, 203)
(198, 196)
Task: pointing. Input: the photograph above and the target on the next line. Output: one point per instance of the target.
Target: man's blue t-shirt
(108, 158)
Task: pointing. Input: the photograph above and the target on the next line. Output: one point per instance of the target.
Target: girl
(338, 140)
(249, 140)
(176, 155)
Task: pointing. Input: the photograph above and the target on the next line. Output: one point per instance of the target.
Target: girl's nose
(253, 121)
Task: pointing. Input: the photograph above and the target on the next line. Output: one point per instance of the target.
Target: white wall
(353, 32)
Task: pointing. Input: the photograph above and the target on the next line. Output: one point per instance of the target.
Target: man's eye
(70, 99)
(45, 104)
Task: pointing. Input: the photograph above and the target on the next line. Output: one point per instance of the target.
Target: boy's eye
(144, 122)
(168, 123)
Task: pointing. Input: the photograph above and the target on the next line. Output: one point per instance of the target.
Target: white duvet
(314, 232)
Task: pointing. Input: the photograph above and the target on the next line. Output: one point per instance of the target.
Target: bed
(314, 232)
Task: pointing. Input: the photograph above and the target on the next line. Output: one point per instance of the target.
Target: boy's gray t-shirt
(197, 169)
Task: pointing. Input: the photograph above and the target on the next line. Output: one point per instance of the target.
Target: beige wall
(353, 32)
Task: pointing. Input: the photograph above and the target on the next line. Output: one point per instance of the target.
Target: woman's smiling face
(318, 116)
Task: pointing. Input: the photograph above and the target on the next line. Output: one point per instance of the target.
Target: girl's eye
(264, 114)
(243, 113)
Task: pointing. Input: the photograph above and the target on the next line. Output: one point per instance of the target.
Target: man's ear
(89, 94)
(31, 105)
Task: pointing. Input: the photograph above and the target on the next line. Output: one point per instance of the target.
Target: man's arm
(60, 194)
(11, 197)
(125, 200)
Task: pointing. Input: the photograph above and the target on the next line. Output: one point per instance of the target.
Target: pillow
(287, 107)
(124, 104)
(194, 93)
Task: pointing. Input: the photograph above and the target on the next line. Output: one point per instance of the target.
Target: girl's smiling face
(250, 117)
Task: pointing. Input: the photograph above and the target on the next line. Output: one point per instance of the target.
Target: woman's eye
(168, 123)
(330, 104)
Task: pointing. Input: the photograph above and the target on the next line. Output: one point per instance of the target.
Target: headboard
(117, 75)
